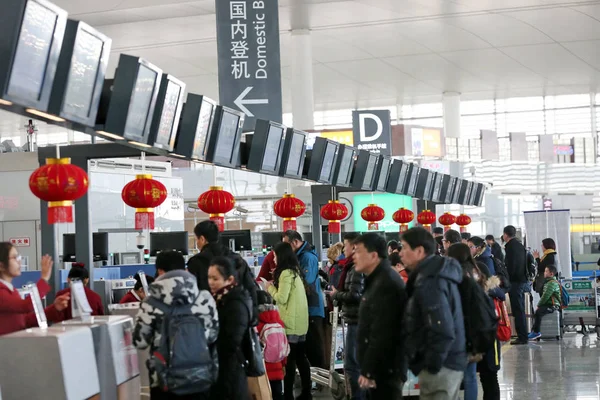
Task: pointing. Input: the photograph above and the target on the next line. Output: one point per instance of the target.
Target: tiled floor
(549, 370)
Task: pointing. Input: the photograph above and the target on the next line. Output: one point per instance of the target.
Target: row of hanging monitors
(55, 67)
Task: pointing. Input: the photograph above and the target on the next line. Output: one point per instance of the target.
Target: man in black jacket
(434, 323)
(380, 347)
(495, 246)
(349, 298)
(515, 260)
(208, 242)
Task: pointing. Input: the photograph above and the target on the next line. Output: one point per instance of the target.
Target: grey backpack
(184, 362)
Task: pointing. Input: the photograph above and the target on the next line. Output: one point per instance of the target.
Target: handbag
(252, 350)
(504, 330)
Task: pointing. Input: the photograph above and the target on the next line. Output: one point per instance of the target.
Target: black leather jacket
(434, 323)
(349, 298)
(380, 349)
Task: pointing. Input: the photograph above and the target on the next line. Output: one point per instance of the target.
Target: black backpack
(530, 266)
(502, 273)
(481, 321)
(183, 361)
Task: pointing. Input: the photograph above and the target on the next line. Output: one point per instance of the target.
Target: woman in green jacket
(288, 292)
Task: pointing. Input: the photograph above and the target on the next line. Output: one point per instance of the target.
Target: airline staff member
(136, 294)
(15, 313)
(78, 271)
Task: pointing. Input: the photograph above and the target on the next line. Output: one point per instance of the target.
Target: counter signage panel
(33, 51)
(86, 62)
(171, 108)
(205, 119)
(228, 138)
(139, 115)
(272, 153)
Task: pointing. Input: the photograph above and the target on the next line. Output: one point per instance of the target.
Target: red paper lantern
(289, 208)
(372, 214)
(462, 221)
(334, 212)
(447, 219)
(144, 194)
(403, 216)
(426, 218)
(216, 202)
(59, 183)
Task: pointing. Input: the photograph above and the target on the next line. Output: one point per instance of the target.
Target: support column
(50, 247)
(451, 105)
(83, 227)
(303, 103)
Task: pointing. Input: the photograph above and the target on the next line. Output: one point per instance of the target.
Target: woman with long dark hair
(547, 257)
(481, 252)
(288, 291)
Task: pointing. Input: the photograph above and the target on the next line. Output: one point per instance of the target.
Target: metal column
(83, 229)
(50, 247)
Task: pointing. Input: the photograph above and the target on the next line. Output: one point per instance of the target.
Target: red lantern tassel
(334, 226)
(403, 228)
(463, 229)
(446, 228)
(60, 212)
(373, 226)
(427, 227)
(218, 219)
(289, 224)
(144, 218)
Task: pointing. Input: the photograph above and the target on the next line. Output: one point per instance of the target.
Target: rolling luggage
(551, 327)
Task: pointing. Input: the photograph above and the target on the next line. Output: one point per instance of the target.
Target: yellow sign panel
(343, 137)
(432, 143)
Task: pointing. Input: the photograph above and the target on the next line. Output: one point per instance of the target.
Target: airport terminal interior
(127, 125)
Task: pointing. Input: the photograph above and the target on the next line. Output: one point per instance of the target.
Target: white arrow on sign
(241, 101)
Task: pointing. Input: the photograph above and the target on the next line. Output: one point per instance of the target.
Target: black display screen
(412, 184)
(85, 64)
(403, 176)
(457, 189)
(437, 187)
(202, 129)
(274, 138)
(450, 192)
(383, 176)
(228, 134)
(370, 171)
(346, 167)
(428, 185)
(327, 166)
(165, 136)
(294, 163)
(33, 51)
(137, 117)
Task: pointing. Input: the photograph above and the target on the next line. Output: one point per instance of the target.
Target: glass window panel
(565, 101)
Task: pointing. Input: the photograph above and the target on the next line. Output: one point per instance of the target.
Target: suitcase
(551, 327)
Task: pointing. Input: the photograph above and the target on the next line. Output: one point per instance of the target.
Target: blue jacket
(434, 323)
(486, 258)
(309, 262)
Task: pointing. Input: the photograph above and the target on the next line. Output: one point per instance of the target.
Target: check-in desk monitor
(53, 363)
(116, 356)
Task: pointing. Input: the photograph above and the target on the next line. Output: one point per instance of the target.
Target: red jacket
(92, 297)
(129, 298)
(268, 267)
(17, 314)
(274, 370)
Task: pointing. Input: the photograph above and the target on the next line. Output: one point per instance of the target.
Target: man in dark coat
(434, 322)
(380, 347)
(515, 260)
(208, 242)
(495, 246)
(349, 296)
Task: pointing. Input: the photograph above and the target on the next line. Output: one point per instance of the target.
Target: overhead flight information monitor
(224, 144)
(293, 156)
(411, 180)
(457, 190)
(345, 165)
(267, 147)
(80, 75)
(323, 160)
(195, 127)
(133, 100)
(163, 131)
(364, 172)
(397, 177)
(382, 173)
(31, 36)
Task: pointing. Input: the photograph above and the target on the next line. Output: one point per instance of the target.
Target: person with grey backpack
(180, 324)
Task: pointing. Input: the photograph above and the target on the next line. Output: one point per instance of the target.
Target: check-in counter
(52, 363)
(131, 309)
(116, 356)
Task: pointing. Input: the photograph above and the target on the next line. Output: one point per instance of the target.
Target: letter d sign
(369, 136)
(372, 128)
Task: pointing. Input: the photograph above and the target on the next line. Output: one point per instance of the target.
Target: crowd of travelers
(429, 303)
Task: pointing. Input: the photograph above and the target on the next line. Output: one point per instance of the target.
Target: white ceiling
(379, 52)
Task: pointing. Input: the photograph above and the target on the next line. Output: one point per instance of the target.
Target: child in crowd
(396, 262)
(549, 302)
(269, 318)
(78, 271)
(137, 294)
